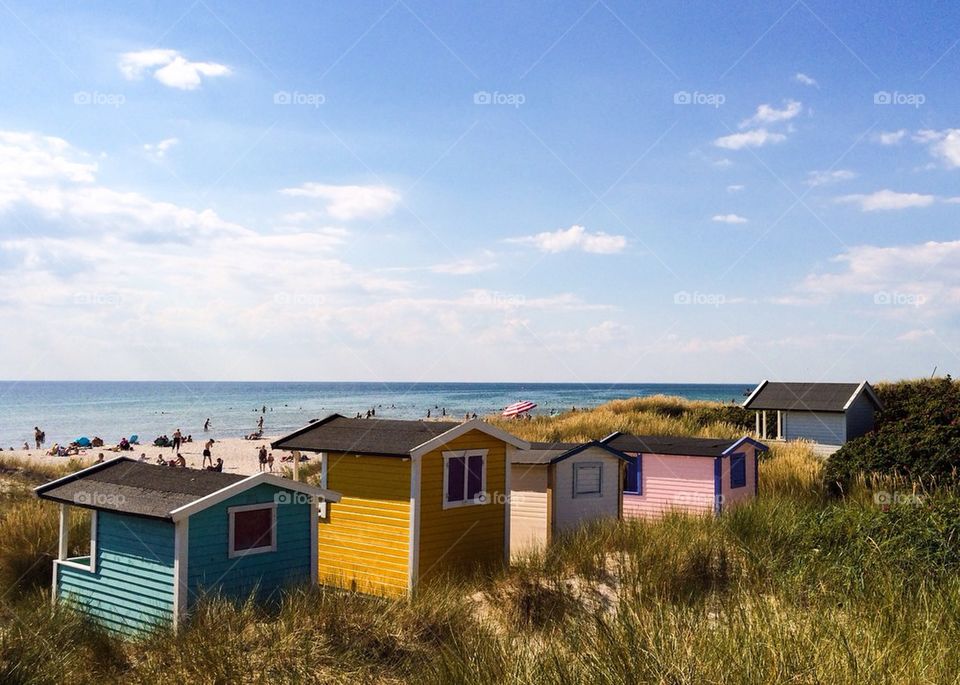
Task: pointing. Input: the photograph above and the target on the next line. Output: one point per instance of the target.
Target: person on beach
(143, 456)
(38, 436)
(218, 467)
(206, 425)
(262, 457)
(177, 441)
(206, 453)
(161, 461)
(180, 461)
(99, 458)
(270, 461)
(260, 423)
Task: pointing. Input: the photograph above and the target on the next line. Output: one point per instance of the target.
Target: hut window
(464, 478)
(738, 470)
(253, 529)
(587, 479)
(633, 483)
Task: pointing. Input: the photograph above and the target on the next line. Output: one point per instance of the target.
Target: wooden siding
(210, 568)
(672, 483)
(734, 496)
(132, 590)
(570, 511)
(364, 539)
(860, 416)
(528, 507)
(461, 538)
(828, 428)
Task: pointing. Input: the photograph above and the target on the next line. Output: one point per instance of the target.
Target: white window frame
(588, 465)
(481, 498)
(91, 565)
(272, 547)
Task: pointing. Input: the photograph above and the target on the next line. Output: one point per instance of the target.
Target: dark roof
(542, 452)
(389, 437)
(668, 444)
(135, 487)
(805, 396)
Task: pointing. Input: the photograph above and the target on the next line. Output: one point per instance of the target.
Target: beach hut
(556, 487)
(420, 499)
(162, 537)
(696, 475)
(829, 414)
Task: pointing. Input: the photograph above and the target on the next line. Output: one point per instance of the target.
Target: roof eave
(753, 395)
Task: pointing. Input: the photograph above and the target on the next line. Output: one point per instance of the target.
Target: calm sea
(67, 410)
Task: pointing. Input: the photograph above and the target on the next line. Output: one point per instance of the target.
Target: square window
(587, 479)
(252, 529)
(464, 478)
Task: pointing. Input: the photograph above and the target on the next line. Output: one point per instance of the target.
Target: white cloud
(733, 343)
(729, 219)
(735, 188)
(819, 178)
(767, 114)
(467, 266)
(574, 238)
(800, 77)
(756, 138)
(169, 67)
(891, 137)
(944, 145)
(159, 150)
(917, 334)
(348, 202)
(887, 200)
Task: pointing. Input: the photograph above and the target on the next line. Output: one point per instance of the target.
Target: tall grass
(797, 586)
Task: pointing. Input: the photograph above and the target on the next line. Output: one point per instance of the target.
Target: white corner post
(314, 540)
(181, 588)
(296, 464)
(413, 563)
(764, 434)
(779, 425)
(758, 424)
(324, 472)
(64, 545)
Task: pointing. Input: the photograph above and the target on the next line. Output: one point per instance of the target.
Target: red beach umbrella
(518, 408)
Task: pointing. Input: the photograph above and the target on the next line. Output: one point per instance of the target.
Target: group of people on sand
(265, 459)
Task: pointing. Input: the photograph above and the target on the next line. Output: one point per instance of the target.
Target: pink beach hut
(694, 475)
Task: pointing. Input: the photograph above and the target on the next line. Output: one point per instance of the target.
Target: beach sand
(239, 455)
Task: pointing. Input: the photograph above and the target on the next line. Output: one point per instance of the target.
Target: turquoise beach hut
(162, 537)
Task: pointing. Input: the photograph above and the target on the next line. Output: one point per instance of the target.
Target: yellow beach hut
(419, 499)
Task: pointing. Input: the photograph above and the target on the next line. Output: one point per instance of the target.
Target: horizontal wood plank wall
(210, 568)
(572, 512)
(673, 483)
(132, 590)
(364, 541)
(528, 507)
(462, 538)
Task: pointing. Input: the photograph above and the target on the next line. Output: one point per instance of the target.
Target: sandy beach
(239, 455)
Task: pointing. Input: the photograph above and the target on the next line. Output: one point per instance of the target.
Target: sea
(67, 410)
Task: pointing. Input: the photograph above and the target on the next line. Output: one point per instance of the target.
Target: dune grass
(799, 586)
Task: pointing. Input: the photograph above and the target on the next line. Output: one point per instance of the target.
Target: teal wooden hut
(162, 537)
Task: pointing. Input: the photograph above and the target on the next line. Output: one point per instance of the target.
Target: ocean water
(67, 410)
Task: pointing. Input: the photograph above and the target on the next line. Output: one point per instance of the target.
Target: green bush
(917, 435)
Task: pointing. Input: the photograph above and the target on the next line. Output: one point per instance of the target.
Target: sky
(601, 191)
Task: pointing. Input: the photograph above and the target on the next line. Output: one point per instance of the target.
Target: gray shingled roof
(388, 437)
(802, 396)
(668, 444)
(137, 488)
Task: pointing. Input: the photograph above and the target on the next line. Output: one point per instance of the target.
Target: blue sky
(603, 191)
